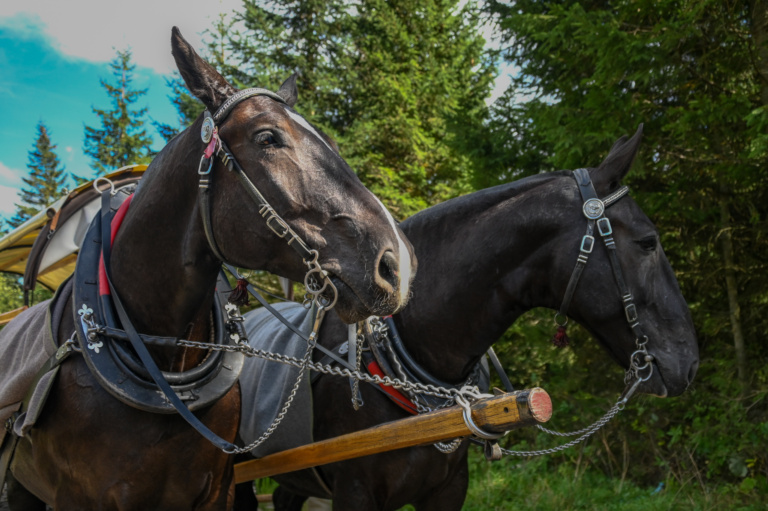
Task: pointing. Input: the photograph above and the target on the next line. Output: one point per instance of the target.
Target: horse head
(310, 187)
(656, 306)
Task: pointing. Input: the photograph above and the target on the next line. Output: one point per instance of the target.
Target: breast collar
(105, 348)
(385, 354)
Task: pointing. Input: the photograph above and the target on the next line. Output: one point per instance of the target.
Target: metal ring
(474, 428)
(112, 190)
(558, 322)
(323, 277)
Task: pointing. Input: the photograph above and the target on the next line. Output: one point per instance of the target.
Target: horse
(203, 200)
(485, 259)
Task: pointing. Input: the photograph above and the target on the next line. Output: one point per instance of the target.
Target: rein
(640, 360)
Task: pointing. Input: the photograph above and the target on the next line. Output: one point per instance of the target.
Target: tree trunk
(759, 17)
(726, 240)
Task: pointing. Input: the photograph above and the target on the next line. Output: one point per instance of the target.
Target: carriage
(153, 291)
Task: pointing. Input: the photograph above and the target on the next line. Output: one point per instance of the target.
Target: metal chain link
(275, 423)
(616, 408)
(249, 351)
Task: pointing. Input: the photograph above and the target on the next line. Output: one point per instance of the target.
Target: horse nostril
(389, 269)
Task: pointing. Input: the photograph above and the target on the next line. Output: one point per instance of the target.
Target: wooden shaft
(496, 414)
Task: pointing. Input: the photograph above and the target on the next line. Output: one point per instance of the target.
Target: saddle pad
(265, 385)
(26, 343)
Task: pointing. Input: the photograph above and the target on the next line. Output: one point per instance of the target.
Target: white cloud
(9, 176)
(8, 199)
(93, 29)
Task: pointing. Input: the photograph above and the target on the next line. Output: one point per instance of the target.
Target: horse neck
(483, 261)
(162, 268)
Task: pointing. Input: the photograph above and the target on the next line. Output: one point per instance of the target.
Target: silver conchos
(206, 132)
(593, 209)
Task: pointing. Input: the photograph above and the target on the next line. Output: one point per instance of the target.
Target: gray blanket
(25, 344)
(265, 385)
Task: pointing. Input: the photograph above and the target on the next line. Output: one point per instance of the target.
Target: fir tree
(45, 182)
(122, 139)
(400, 85)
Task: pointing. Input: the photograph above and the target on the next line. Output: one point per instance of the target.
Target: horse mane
(459, 207)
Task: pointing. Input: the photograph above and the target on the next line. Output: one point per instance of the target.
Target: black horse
(91, 451)
(485, 259)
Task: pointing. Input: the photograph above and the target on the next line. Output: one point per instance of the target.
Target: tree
(694, 73)
(122, 139)
(45, 182)
(400, 85)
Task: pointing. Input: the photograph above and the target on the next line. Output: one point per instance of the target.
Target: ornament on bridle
(593, 209)
(206, 132)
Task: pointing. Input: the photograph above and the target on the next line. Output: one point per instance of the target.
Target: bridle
(209, 134)
(593, 209)
(316, 280)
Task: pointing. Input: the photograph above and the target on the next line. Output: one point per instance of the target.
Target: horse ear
(202, 80)
(288, 90)
(616, 165)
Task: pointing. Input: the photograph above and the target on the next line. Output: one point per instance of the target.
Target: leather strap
(141, 349)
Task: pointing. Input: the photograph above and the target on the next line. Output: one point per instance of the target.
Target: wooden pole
(495, 415)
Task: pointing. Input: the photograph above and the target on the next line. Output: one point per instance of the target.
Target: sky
(53, 54)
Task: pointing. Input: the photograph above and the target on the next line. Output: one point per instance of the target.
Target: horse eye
(648, 244)
(265, 138)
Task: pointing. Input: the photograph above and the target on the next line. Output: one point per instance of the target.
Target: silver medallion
(593, 209)
(206, 132)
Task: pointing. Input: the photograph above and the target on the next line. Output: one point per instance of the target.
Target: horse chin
(349, 306)
(655, 385)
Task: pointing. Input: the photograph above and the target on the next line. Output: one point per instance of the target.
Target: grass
(527, 485)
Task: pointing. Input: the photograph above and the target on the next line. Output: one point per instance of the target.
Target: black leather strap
(141, 349)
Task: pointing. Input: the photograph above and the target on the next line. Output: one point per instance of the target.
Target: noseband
(593, 209)
(216, 146)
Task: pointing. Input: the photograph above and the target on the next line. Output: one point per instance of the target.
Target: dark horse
(485, 259)
(90, 451)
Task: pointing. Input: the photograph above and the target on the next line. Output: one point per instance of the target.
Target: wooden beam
(495, 414)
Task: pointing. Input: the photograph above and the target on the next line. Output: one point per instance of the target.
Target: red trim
(400, 400)
(116, 221)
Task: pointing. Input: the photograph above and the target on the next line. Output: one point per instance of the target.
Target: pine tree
(695, 73)
(46, 179)
(400, 85)
(122, 139)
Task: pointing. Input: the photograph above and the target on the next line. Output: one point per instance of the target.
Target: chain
(357, 400)
(640, 360)
(275, 423)
(469, 393)
(616, 408)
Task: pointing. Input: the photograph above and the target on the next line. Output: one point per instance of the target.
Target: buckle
(604, 227)
(631, 312)
(587, 244)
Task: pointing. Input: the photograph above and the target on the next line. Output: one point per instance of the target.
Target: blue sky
(52, 55)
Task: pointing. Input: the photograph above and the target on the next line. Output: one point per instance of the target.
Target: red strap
(400, 400)
(116, 221)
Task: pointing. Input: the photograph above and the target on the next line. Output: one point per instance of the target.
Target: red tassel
(561, 338)
(239, 296)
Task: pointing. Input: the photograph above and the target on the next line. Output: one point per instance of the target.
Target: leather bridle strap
(594, 210)
(217, 147)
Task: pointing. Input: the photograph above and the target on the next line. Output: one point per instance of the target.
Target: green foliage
(45, 182)
(11, 293)
(410, 95)
(122, 139)
(691, 72)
